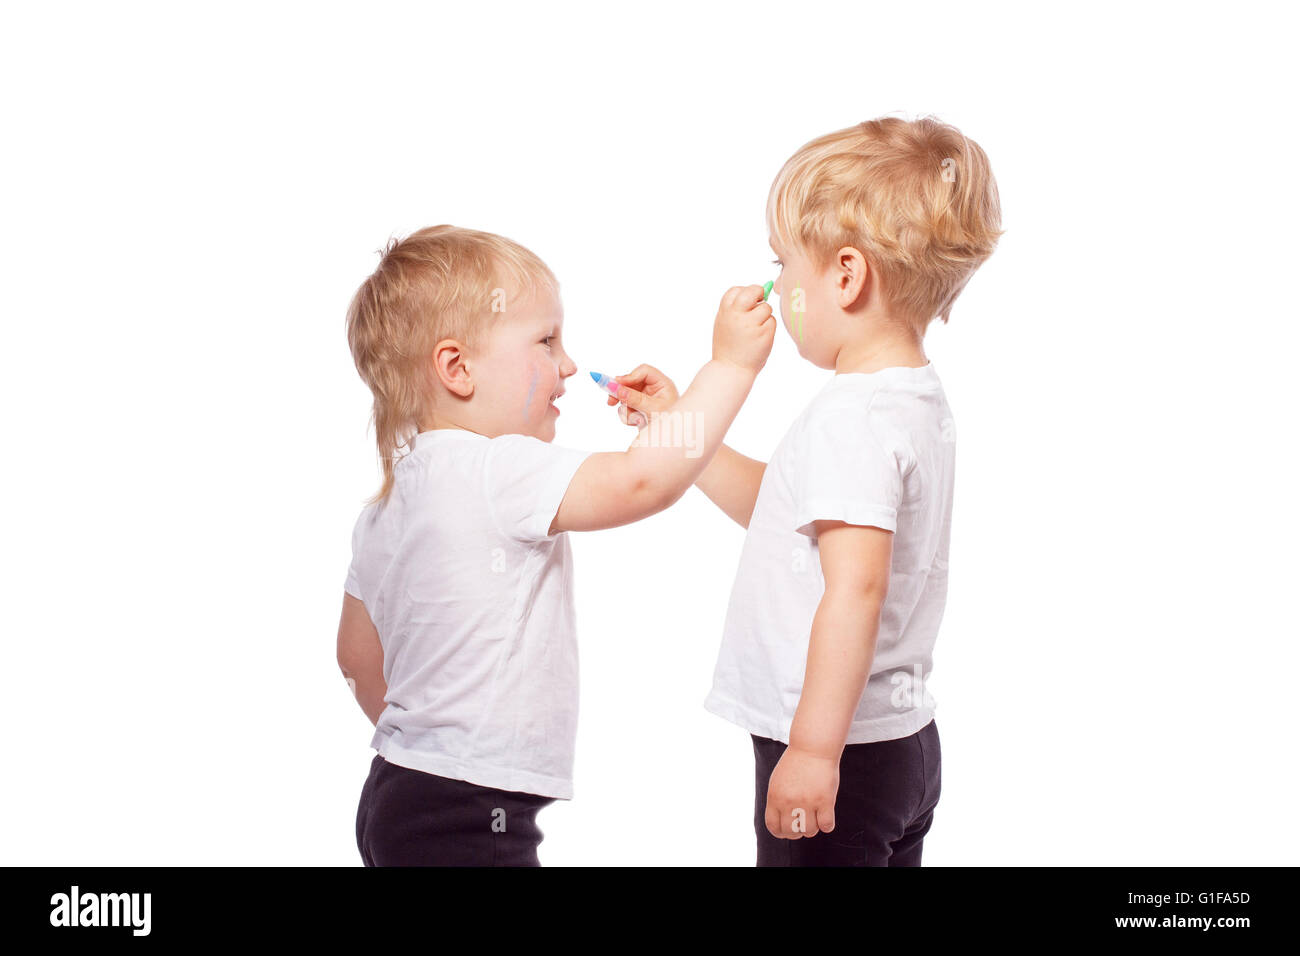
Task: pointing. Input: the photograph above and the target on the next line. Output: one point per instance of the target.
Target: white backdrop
(191, 194)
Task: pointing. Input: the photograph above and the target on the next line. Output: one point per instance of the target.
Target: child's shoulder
(846, 399)
(855, 411)
(449, 456)
(433, 451)
(527, 452)
(877, 398)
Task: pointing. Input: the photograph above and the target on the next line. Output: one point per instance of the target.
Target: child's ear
(853, 276)
(449, 366)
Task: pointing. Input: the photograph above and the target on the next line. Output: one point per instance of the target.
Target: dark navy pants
(884, 808)
(411, 818)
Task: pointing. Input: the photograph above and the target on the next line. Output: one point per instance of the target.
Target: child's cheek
(539, 388)
(532, 387)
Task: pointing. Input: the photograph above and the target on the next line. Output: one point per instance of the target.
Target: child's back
(456, 568)
(457, 630)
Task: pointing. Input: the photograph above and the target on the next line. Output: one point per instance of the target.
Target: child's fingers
(742, 296)
(635, 383)
(794, 823)
(781, 822)
(632, 381)
(772, 817)
(645, 387)
(630, 416)
(630, 396)
(648, 380)
(641, 400)
(638, 375)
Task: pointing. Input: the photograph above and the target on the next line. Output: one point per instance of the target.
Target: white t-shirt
(870, 449)
(474, 608)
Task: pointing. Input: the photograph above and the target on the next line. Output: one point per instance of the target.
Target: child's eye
(547, 340)
(777, 262)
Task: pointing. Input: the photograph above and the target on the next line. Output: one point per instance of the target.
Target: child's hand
(744, 330)
(645, 389)
(801, 795)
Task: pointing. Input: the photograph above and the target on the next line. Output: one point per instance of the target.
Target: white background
(191, 194)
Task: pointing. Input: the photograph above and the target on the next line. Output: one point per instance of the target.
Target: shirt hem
(825, 509)
(869, 731)
(499, 778)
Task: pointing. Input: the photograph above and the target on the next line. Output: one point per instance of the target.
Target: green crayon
(767, 287)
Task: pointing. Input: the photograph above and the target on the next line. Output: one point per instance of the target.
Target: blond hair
(915, 197)
(443, 282)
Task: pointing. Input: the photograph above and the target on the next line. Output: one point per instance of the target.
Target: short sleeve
(352, 583)
(844, 472)
(526, 481)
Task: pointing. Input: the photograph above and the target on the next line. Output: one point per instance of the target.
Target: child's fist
(801, 795)
(744, 330)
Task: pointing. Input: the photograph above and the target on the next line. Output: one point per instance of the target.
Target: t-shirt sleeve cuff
(552, 492)
(351, 586)
(874, 516)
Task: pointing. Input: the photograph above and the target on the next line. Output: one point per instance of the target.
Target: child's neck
(874, 354)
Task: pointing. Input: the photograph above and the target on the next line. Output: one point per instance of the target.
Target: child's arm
(855, 562)
(731, 482)
(617, 488)
(361, 657)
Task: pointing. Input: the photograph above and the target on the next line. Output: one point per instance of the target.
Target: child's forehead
(540, 305)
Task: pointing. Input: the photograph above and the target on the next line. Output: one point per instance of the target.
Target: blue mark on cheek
(532, 387)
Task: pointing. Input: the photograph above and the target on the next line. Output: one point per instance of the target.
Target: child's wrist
(813, 744)
(733, 366)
